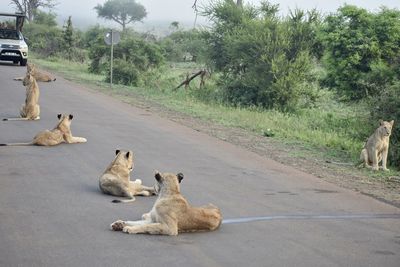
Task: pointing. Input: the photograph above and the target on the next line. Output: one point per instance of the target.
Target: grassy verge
(335, 130)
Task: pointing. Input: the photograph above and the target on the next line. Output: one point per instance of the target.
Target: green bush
(98, 50)
(265, 60)
(178, 45)
(133, 56)
(43, 39)
(362, 50)
(124, 73)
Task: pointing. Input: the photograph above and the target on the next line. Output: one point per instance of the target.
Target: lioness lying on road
(31, 109)
(116, 179)
(377, 146)
(171, 213)
(40, 76)
(60, 134)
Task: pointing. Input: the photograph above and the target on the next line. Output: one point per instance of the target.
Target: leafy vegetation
(361, 51)
(265, 61)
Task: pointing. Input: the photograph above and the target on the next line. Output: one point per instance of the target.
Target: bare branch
(194, 6)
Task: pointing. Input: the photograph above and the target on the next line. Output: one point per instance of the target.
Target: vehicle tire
(23, 62)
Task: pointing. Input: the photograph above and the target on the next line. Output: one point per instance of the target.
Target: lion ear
(117, 151)
(180, 177)
(158, 176)
(71, 116)
(381, 122)
(391, 122)
(127, 154)
(59, 116)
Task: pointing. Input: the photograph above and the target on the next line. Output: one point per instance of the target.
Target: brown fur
(39, 75)
(171, 213)
(116, 179)
(31, 109)
(377, 146)
(60, 134)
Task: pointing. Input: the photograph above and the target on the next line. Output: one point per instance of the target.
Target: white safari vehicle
(12, 43)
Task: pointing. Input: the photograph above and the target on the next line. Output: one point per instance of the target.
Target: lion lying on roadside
(60, 134)
(31, 109)
(377, 146)
(116, 179)
(40, 76)
(171, 213)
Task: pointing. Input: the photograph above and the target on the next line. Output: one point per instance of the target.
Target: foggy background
(163, 12)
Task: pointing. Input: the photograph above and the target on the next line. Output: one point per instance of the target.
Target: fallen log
(188, 79)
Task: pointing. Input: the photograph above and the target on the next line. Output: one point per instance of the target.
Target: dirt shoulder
(295, 155)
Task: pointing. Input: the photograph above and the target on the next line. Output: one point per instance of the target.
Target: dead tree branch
(188, 79)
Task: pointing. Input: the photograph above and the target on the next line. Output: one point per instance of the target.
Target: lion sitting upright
(31, 109)
(171, 213)
(116, 181)
(60, 134)
(40, 76)
(377, 146)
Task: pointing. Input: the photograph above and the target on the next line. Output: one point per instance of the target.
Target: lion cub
(171, 213)
(116, 179)
(377, 146)
(31, 109)
(39, 75)
(60, 134)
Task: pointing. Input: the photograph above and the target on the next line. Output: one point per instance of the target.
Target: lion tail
(123, 200)
(15, 119)
(18, 144)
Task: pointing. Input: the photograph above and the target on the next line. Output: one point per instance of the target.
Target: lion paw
(117, 225)
(129, 230)
(146, 216)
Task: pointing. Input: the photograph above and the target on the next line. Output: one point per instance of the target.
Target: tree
(174, 26)
(29, 7)
(264, 60)
(43, 18)
(362, 52)
(68, 37)
(121, 11)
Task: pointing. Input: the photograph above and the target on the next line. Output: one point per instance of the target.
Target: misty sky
(181, 10)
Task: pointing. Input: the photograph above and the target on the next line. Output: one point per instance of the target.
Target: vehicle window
(7, 34)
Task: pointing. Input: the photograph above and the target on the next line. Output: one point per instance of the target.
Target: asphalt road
(53, 214)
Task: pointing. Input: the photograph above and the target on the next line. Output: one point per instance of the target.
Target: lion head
(168, 182)
(385, 128)
(28, 80)
(123, 158)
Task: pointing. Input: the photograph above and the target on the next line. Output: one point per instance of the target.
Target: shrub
(43, 39)
(266, 61)
(362, 50)
(124, 73)
(181, 43)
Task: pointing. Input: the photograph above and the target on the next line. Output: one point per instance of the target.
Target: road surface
(53, 214)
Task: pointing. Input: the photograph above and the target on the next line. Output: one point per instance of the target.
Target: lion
(116, 181)
(377, 146)
(60, 134)
(40, 76)
(31, 109)
(171, 213)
